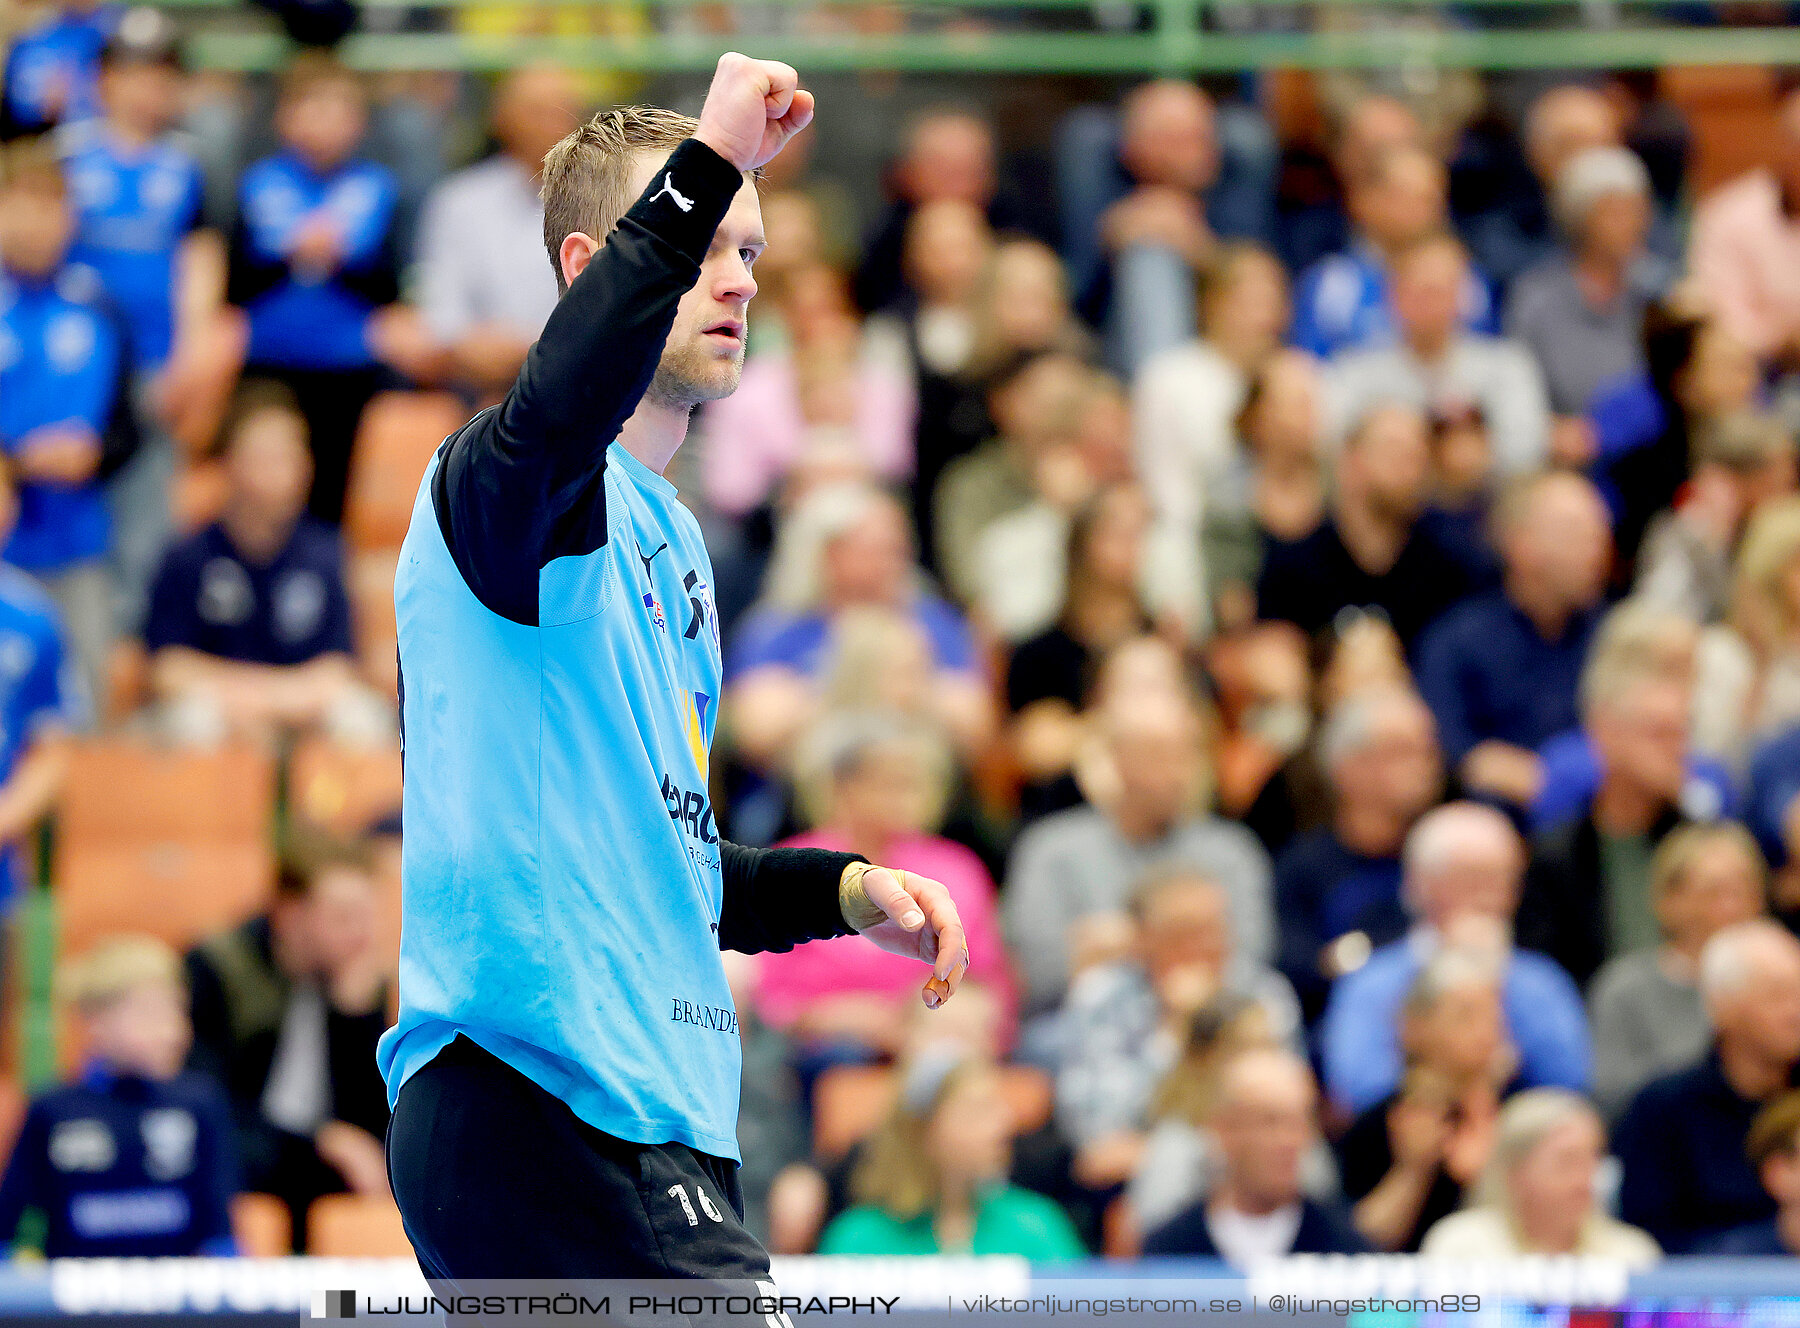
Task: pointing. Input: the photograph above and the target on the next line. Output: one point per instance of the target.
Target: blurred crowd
(1327, 606)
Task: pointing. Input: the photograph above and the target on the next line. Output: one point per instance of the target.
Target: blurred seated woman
(876, 783)
(825, 390)
(1050, 675)
(1024, 562)
(1271, 487)
(845, 546)
(1538, 1194)
(1644, 426)
(1020, 306)
(1269, 772)
(1187, 398)
(1747, 685)
(807, 1194)
(933, 1180)
(1056, 735)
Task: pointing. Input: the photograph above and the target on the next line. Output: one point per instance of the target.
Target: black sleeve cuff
(777, 898)
(688, 198)
(811, 877)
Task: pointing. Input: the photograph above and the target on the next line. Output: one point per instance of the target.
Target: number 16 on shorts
(679, 1192)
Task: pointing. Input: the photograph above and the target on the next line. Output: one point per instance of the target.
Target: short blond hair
(1525, 1121)
(1682, 847)
(1635, 640)
(1771, 543)
(587, 176)
(116, 968)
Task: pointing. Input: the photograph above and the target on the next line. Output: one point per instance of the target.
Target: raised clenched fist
(752, 109)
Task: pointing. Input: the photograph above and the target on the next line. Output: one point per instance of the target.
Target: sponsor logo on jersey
(719, 1018)
(699, 706)
(691, 810)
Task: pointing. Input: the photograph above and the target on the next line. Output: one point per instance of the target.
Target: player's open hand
(912, 915)
(752, 109)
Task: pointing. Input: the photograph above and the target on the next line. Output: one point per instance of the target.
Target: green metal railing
(1176, 41)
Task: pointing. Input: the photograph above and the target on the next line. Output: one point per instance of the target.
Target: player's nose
(736, 283)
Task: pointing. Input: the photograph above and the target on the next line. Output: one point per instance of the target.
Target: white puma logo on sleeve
(685, 204)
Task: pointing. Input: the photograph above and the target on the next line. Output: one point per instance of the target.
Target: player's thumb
(799, 113)
(887, 893)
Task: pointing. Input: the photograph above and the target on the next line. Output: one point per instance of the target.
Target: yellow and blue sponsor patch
(699, 728)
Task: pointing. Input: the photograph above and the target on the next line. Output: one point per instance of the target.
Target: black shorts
(496, 1178)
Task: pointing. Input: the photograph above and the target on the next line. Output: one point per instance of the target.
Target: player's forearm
(777, 898)
(601, 344)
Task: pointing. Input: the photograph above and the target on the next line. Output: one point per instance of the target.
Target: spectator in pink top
(877, 784)
(827, 398)
(1745, 252)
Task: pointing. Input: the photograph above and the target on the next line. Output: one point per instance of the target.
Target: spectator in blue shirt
(41, 702)
(133, 1158)
(314, 260)
(1341, 302)
(1500, 672)
(1337, 888)
(249, 627)
(1681, 1141)
(1772, 803)
(52, 70)
(1315, 222)
(1463, 865)
(63, 362)
(1633, 634)
(845, 547)
(137, 193)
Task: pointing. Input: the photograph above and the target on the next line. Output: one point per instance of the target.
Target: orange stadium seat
(850, 1101)
(173, 844)
(356, 1226)
(1733, 114)
(342, 789)
(262, 1226)
(398, 434)
(121, 789)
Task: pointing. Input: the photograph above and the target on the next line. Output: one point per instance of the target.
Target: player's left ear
(578, 250)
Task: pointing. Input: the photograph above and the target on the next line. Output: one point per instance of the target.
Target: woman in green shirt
(933, 1178)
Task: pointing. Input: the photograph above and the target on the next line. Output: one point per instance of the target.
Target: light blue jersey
(562, 893)
(565, 889)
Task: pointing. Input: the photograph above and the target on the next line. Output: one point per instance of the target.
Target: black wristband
(688, 198)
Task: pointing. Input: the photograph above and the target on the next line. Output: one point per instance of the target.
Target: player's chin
(720, 379)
